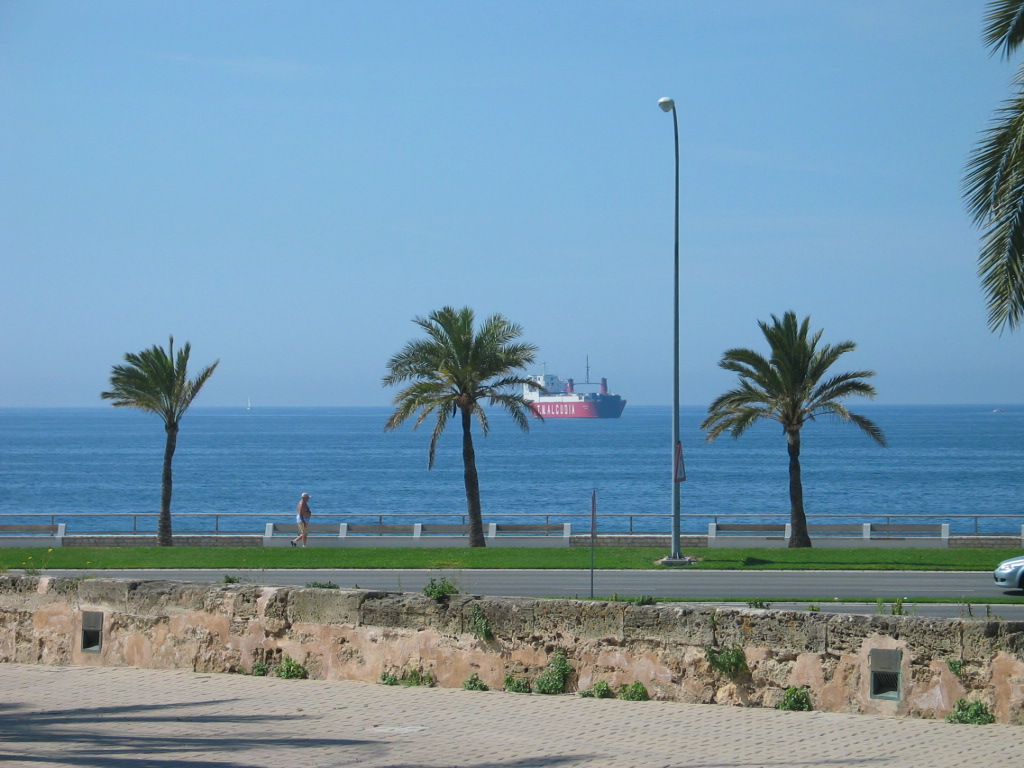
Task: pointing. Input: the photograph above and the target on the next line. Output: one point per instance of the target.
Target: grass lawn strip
(465, 558)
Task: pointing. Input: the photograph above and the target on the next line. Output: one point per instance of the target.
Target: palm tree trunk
(799, 537)
(476, 523)
(163, 530)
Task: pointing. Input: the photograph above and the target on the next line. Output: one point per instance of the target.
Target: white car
(1009, 574)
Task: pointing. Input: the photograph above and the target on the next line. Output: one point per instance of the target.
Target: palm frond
(1004, 26)
(865, 424)
(993, 186)
(840, 387)
(516, 406)
(735, 420)
(439, 425)
(481, 416)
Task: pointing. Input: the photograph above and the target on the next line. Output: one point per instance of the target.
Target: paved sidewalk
(114, 718)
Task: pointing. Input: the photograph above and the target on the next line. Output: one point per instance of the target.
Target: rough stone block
(324, 606)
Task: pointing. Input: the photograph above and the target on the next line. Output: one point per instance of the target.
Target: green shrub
(552, 679)
(601, 690)
(260, 669)
(322, 585)
(474, 683)
(389, 678)
(730, 660)
(229, 579)
(290, 669)
(635, 691)
(956, 666)
(479, 625)
(758, 604)
(795, 700)
(439, 589)
(971, 713)
(517, 684)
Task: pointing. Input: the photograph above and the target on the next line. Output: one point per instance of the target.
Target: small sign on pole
(680, 468)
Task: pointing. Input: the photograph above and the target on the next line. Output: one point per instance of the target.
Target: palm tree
(789, 387)
(994, 181)
(452, 372)
(156, 380)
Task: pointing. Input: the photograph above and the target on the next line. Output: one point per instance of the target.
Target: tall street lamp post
(678, 473)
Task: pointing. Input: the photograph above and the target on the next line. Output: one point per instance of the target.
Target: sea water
(93, 468)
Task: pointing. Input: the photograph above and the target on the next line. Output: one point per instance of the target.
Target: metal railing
(637, 523)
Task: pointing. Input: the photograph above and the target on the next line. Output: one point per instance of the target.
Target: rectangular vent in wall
(885, 673)
(92, 631)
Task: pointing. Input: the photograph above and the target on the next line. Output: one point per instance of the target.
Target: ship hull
(602, 407)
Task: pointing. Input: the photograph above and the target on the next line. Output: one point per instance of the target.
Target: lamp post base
(669, 560)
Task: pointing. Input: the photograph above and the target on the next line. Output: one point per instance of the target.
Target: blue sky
(286, 185)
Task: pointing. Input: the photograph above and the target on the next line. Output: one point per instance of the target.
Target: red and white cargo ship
(562, 399)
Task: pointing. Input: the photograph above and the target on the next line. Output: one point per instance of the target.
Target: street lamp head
(666, 104)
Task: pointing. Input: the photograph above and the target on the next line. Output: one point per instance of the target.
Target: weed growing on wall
(409, 677)
(601, 690)
(642, 600)
(956, 666)
(971, 713)
(260, 669)
(795, 699)
(517, 684)
(553, 678)
(439, 589)
(474, 683)
(322, 585)
(229, 579)
(416, 677)
(33, 568)
(758, 604)
(730, 660)
(479, 625)
(635, 691)
(896, 609)
(290, 669)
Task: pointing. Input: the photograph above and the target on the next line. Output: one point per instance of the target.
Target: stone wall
(984, 542)
(353, 634)
(180, 540)
(657, 541)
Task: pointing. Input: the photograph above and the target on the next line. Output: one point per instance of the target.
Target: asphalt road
(783, 588)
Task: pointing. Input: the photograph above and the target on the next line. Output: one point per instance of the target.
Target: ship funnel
(568, 388)
(604, 386)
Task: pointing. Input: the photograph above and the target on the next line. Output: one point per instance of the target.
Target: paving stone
(94, 717)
